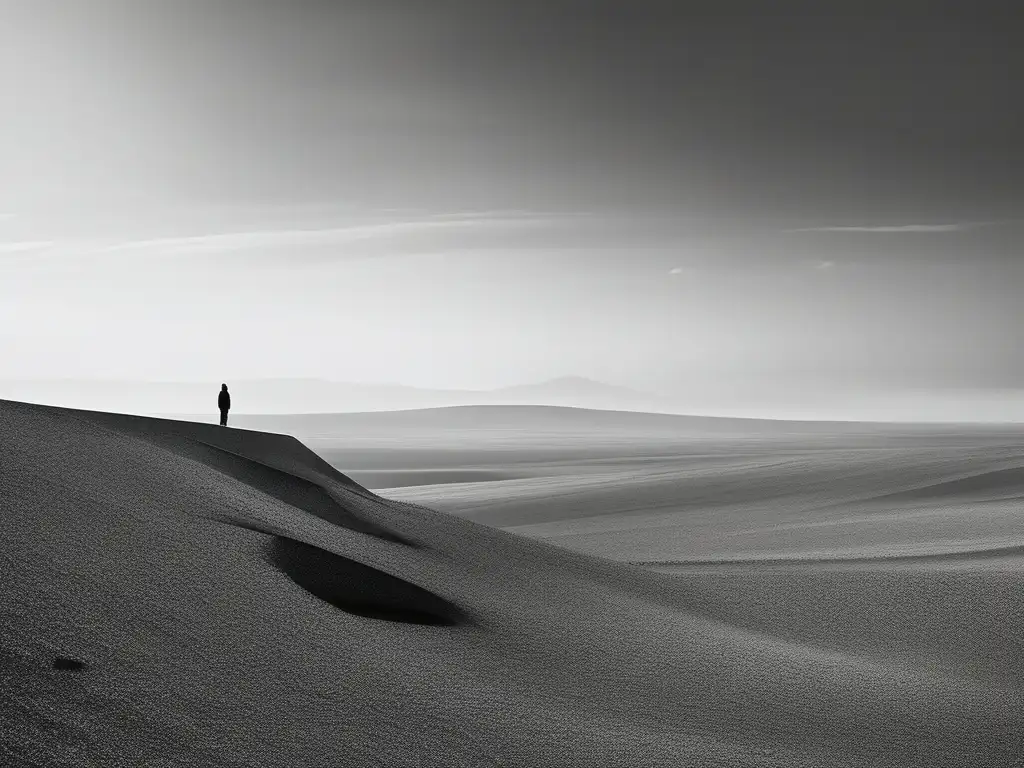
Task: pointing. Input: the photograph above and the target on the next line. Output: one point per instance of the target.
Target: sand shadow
(296, 491)
(359, 589)
(64, 664)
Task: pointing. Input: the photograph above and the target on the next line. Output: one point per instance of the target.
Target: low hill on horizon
(314, 395)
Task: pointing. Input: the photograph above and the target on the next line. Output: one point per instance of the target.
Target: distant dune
(728, 397)
(485, 443)
(256, 396)
(563, 420)
(178, 593)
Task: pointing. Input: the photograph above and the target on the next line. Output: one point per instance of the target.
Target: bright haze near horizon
(754, 209)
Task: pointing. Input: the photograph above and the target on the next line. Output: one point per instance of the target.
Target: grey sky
(483, 193)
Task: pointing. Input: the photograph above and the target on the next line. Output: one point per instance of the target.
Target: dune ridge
(168, 558)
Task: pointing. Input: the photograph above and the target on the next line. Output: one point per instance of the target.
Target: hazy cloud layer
(894, 228)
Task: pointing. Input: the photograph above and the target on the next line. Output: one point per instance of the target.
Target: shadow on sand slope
(352, 586)
(299, 492)
(358, 588)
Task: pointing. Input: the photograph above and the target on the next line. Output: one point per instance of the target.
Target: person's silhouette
(224, 403)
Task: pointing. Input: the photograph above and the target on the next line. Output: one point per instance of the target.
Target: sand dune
(680, 489)
(826, 504)
(182, 594)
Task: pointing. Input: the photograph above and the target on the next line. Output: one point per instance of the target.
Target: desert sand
(524, 587)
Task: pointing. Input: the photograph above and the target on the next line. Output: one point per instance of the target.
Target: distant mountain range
(262, 396)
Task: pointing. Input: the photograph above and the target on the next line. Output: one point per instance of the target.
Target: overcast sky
(474, 194)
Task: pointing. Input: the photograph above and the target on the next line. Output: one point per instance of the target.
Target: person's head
(224, 387)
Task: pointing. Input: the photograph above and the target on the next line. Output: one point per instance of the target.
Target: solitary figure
(224, 403)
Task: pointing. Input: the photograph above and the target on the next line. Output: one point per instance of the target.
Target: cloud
(824, 265)
(427, 233)
(239, 241)
(26, 246)
(894, 228)
(506, 232)
(506, 214)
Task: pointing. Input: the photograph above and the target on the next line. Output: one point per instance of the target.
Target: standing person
(224, 403)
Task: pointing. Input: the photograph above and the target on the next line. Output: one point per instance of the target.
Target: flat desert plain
(508, 586)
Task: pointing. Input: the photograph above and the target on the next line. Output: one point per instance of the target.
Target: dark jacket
(224, 400)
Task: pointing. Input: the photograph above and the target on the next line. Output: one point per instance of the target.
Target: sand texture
(179, 594)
